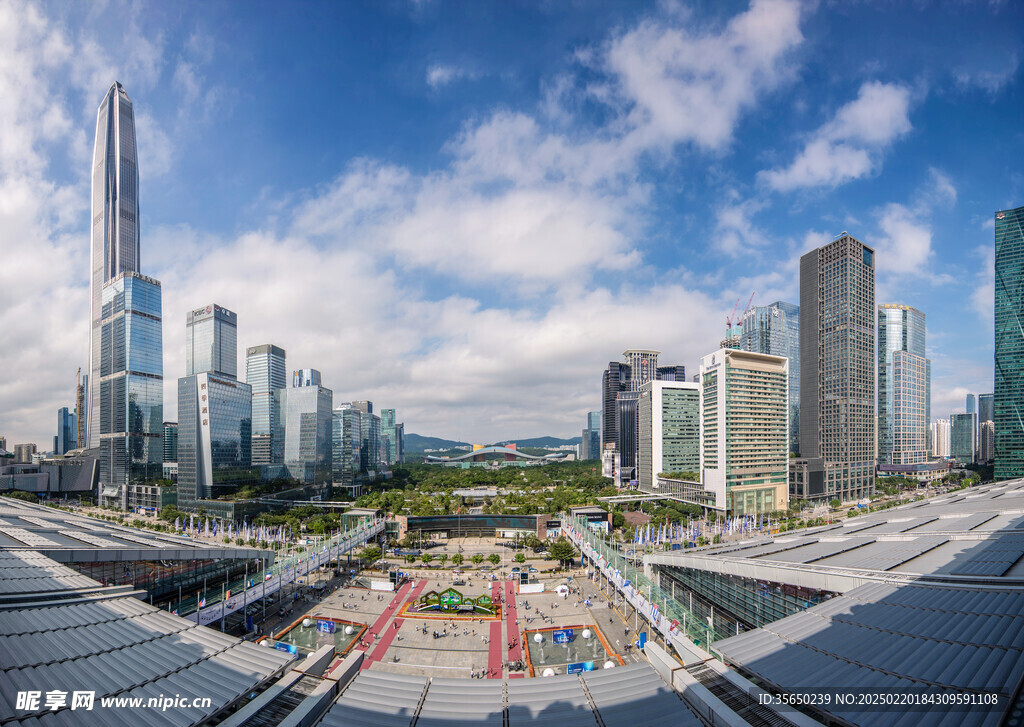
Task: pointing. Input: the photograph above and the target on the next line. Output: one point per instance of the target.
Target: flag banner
(202, 603)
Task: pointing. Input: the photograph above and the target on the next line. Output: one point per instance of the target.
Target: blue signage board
(290, 648)
(576, 668)
(562, 636)
(324, 626)
(588, 666)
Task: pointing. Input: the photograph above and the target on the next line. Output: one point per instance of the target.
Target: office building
(304, 424)
(211, 342)
(346, 443)
(963, 444)
(669, 431)
(1008, 400)
(370, 447)
(306, 377)
(114, 235)
(392, 438)
(837, 369)
(214, 439)
(170, 441)
(985, 408)
(904, 386)
(671, 373)
(265, 372)
(987, 444)
(613, 380)
(66, 438)
(130, 384)
(774, 329)
(590, 438)
(745, 431)
(23, 453)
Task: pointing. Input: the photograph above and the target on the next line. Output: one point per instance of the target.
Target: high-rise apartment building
(304, 423)
(1009, 344)
(774, 329)
(669, 431)
(170, 441)
(67, 431)
(131, 387)
(265, 372)
(211, 342)
(963, 444)
(940, 437)
(837, 369)
(214, 412)
(904, 386)
(346, 443)
(115, 225)
(745, 431)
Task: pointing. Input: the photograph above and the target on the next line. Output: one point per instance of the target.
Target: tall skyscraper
(392, 435)
(306, 377)
(67, 431)
(774, 329)
(131, 387)
(837, 369)
(170, 441)
(115, 224)
(940, 437)
(613, 380)
(590, 438)
(304, 425)
(346, 443)
(370, 448)
(904, 386)
(963, 443)
(669, 431)
(265, 372)
(643, 367)
(211, 341)
(745, 431)
(985, 408)
(1009, 344)
(214, 412)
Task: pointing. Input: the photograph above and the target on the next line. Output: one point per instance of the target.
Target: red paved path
(494, 651)
(511, 624)
(383, 646)
(389, 611)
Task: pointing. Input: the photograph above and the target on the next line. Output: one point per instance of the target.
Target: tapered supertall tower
(115, 223)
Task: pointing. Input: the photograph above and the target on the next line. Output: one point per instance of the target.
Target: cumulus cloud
(850, 145)
(439, 74)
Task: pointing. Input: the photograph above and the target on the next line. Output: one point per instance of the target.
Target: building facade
(669, 431)
(837, 369)
(987, 444)
(66, 438)
(904, 386)
(130, 386)
(941, 437)
(214, 438)
(963, 444)
(346, 443)
(306, 377)
(211, 341)
(774, 329)
(265, 372)
(304, 422)
(1008, 399)
(745, 431)
(170, 441)
(115, 225)
(392, 438)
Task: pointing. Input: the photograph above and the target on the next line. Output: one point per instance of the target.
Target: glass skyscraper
(904, 386)
(265, 372)
(115, 226)
(67, 431)
(774, 329)
(391, 432)
(346, 442)
(131, 397)
(963, 441)
(211, 341)
(837, 370)
(170, 441)
(304, 415)
(1009, 344)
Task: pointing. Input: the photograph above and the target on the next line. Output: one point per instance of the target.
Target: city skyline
(493, 226)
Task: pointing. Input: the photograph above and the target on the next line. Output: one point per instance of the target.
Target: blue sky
(465, 210)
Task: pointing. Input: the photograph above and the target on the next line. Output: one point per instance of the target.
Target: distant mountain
(416, 444)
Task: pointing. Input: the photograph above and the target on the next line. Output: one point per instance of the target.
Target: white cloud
(850, 145)
(439, 75)
(906, 245)
(990, 80)
(735, 233)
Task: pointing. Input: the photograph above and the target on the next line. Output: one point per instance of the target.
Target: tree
(442, 558)
(835, 504)
(410, 559)
(426, 558)
(371, 553)
(457, 559)
(494, 558)
(618, 520)
(562, 550)
(520, 558)
(477, 559)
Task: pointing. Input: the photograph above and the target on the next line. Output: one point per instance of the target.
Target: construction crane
(79, 406)
(749, 302)
(729, 318)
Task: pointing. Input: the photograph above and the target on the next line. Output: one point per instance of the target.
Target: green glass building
(1009, 344)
